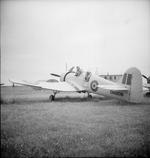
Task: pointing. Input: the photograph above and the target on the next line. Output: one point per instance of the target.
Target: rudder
(133, 78)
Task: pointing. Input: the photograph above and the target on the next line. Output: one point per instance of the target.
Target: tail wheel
(51, 98)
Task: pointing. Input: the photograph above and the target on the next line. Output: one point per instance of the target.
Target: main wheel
(89, 96)
(51, 98)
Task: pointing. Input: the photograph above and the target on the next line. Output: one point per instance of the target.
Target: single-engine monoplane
(130, 88)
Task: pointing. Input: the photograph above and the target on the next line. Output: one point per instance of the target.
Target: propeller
(56, 75)
(147, 78)
(71, 69)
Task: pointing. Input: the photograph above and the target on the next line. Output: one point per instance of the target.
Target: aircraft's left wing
(54, 86)
(115, 87)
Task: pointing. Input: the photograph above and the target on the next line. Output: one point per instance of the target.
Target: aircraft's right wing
(54, 86)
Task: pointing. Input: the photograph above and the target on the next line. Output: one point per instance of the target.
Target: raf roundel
(94, 85)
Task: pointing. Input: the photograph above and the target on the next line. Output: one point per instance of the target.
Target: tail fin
(133, 78)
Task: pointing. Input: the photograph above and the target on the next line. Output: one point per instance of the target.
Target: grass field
(72, 126)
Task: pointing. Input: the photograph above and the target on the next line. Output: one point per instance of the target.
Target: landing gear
(51, 98)
(89, 96)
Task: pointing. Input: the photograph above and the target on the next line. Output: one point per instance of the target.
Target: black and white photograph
(75, 78)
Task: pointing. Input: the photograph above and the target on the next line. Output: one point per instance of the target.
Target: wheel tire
(90, 96)
(51, 98)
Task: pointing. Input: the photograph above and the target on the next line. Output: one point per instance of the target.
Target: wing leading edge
(54, 86)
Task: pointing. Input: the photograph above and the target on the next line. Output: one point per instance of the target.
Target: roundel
(93, 85)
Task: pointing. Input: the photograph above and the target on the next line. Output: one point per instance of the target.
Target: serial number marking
(116, 93)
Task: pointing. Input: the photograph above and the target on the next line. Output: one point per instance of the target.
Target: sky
(42, 36)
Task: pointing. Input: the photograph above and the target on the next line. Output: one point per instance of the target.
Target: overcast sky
(39, 37)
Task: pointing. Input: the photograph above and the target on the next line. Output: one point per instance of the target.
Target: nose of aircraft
(63, 75)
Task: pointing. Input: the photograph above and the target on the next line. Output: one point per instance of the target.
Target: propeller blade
(70, 70)
(145, 76)
(56, 75)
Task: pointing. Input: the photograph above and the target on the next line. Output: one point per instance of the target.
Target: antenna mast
(66, 67)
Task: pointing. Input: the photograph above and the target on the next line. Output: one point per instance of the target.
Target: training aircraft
(130, 88)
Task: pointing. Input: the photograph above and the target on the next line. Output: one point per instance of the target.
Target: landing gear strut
(52, 97)
(89, 96)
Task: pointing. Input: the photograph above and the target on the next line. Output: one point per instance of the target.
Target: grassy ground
(31, 126)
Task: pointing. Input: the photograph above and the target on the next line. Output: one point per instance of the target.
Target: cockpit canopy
(79, 71)
(87, 76)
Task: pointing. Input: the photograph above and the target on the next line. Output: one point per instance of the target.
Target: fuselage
(130, 88)
(91, 85)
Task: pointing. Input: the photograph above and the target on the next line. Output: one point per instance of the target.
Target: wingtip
(10, 80)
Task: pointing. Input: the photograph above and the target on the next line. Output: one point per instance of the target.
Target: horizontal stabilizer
(114, 87)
